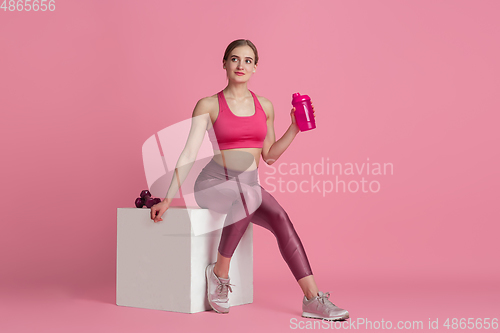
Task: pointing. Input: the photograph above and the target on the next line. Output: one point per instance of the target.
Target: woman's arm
(273, 149)
(199, 124)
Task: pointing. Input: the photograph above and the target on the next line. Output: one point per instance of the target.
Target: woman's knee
(253, 197)
(281, 225)
(282, 217)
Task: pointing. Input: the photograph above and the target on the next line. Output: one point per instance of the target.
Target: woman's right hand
(158, 210)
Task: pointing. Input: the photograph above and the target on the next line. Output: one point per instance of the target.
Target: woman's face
(240, 60)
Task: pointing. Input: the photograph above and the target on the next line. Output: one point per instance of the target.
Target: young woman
(241, 129)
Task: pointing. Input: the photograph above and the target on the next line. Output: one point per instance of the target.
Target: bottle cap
(298, 98)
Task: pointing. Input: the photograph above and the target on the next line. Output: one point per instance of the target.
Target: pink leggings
(239, 195)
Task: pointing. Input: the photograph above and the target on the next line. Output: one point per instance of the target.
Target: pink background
(412, 83)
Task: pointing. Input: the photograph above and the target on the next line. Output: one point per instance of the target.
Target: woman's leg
(273, 217)
(237, 198)
(238, 218)
(221, 268)
(236, 223)
(308, 286)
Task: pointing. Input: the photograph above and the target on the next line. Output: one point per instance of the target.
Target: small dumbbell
(146, 199)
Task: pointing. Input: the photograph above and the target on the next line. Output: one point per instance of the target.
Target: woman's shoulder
(266, 104)
(208, 99)
(206, 104)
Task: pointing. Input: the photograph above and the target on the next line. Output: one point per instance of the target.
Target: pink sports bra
(232, 131)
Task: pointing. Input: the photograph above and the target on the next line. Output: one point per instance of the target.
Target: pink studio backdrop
(410, 83)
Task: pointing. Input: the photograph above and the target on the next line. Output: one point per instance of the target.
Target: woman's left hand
(292, 114)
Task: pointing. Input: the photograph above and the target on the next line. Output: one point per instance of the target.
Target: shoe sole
(314, 316)
(208, 296)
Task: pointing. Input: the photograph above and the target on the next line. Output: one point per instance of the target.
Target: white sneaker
(217, 290)
(320, 307)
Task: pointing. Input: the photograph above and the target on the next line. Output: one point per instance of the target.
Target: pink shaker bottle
(303, 112)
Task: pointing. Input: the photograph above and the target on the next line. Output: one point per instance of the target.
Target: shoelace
(222, 294)
(324, 299)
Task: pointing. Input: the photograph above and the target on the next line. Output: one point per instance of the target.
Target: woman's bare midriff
(238, 159)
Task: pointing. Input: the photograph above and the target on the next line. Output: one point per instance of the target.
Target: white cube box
(162, 265)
